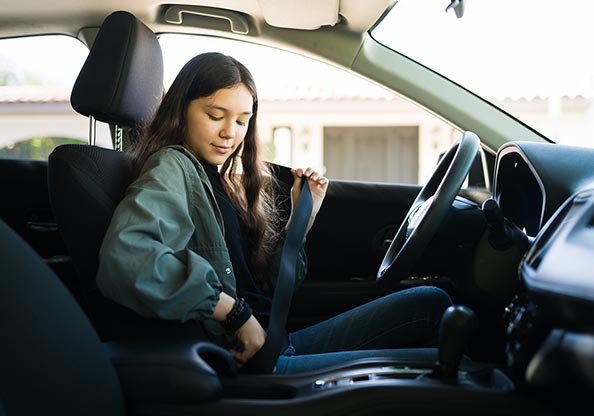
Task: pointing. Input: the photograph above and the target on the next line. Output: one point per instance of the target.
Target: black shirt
(239, 250)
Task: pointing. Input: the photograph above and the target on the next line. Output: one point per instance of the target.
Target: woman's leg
(404, 319)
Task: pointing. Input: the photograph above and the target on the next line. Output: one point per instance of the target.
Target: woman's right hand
(252, 336)
(318, 185)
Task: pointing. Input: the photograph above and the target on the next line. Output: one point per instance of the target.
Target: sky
(54, 60)
(514, 48)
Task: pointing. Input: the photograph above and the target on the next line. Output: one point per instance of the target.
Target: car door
(346, 245)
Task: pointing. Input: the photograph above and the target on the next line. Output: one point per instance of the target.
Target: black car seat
(120, 83)
(52, 361)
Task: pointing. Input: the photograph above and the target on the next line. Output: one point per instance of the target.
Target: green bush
(36, 148)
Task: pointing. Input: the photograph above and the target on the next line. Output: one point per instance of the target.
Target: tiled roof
(278, 93)
(33, 94)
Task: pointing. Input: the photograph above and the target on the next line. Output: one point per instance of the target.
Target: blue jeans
(404, 319)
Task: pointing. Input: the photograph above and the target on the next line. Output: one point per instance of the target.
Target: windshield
(531, 58)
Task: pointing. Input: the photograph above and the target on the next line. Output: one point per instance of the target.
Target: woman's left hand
(318, 184)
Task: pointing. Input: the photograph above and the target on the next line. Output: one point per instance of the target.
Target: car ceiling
(69, 16)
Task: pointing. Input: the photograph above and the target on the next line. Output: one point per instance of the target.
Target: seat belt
(265, 359)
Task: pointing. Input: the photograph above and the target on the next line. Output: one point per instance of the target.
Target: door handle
(42, 226)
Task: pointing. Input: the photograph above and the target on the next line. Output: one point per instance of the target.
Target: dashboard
(550, 329)
(547, 190)
(532, 180)
(562, 257)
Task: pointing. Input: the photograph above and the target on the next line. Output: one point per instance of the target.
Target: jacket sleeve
(144, 263)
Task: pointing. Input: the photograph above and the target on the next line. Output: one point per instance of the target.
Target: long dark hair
(248, 180)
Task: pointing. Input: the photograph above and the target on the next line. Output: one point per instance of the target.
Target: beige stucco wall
(23, 121)
(307, 120)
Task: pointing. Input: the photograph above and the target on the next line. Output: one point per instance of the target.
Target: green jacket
(164, 253)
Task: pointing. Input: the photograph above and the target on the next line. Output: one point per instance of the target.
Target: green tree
(36, 148)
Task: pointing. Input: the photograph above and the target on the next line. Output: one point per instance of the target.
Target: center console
(201, 378)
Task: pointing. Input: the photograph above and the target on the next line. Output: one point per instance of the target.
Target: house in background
(312, 127)
(358, 134)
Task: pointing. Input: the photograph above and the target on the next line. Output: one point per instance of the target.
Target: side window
(36, 77)
(314, 114)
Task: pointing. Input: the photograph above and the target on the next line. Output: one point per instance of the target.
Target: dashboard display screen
(561, 259)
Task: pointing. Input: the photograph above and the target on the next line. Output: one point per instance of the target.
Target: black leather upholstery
(121, 81)
(52, 361)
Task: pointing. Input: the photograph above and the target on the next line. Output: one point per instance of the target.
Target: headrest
(121, 82)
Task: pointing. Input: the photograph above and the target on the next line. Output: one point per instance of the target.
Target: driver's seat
(120, 83)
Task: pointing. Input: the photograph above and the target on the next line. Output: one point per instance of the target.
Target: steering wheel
(428, 211)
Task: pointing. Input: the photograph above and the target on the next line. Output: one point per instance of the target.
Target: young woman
(198, 235)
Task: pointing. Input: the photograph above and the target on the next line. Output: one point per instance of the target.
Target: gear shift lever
(457, 324)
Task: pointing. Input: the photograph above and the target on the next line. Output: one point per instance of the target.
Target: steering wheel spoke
(428, 211)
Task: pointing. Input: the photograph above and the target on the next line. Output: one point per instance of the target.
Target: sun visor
(303, 14)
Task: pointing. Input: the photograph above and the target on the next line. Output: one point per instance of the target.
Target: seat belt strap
(265, 359)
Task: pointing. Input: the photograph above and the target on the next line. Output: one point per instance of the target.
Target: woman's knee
(436, 295)
(429, 299)
(436, 299)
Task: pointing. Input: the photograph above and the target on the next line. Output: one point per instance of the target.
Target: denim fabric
(405, 319)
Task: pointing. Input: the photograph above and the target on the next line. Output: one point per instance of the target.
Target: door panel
(346, 240)
(26, 209)
(25, 203)
(346, 245)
